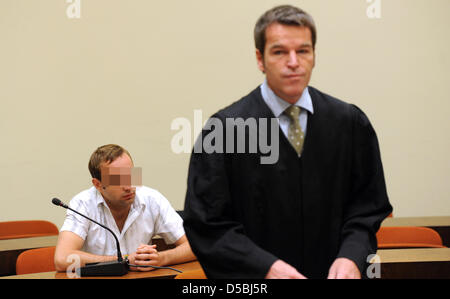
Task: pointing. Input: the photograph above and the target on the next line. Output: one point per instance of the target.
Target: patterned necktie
(295, 134)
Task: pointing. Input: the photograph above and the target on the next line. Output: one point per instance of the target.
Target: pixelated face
(121, 176)
(288, 60)
(119, 180)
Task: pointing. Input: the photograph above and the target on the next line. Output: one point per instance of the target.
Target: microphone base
(114, 268)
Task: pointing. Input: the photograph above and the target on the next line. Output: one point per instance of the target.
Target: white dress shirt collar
(136, 205)
(278, 105)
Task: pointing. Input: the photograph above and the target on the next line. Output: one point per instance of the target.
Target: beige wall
(126, 69)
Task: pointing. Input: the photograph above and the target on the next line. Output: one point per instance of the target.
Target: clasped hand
(145, 255)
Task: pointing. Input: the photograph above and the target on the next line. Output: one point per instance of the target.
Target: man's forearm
(177, 255)
(64, 261)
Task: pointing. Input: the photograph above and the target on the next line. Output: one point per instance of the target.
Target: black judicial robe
(242, 215)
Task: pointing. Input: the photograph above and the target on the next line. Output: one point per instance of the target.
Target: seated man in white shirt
(134, 214)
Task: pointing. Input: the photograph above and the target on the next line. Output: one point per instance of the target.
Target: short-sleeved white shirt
(150, 214)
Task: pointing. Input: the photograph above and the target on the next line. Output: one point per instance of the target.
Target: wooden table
(394, 263)
(159, 273)
(414, 263)
(11, 248)
(441, 224)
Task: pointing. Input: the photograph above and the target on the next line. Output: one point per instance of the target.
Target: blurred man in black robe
(314, 210)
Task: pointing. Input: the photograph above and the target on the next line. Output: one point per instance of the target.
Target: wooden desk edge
(28, 243)
(417, 221)
(154, 274)
(416, 255)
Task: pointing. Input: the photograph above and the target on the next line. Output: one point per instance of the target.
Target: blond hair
(105, 154)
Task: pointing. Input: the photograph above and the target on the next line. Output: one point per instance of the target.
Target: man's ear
(260, 60)
(314, 62)
(97, 184)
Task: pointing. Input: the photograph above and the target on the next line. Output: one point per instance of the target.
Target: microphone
(57, 202)
(114, 268)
